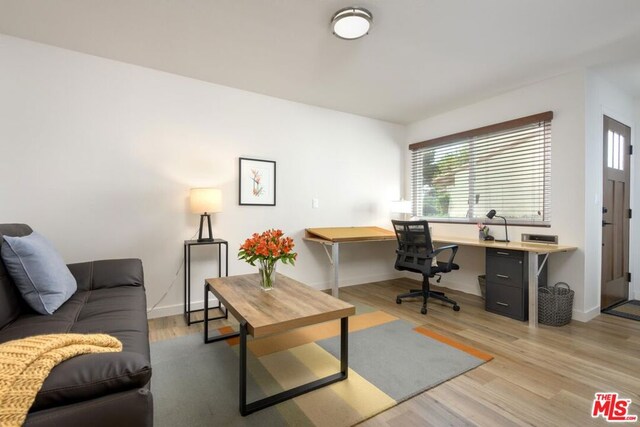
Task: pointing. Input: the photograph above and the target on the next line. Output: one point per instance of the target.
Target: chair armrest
(108, 273)
(454, 250)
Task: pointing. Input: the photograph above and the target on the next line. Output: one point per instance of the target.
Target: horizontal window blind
(506, 167)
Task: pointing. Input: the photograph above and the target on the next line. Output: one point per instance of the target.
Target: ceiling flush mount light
(351, 23)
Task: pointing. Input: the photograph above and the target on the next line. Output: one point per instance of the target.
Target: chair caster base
(398, 301)
(423, 310)
(456, 308)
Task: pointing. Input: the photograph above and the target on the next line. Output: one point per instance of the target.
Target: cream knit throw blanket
(26, 363)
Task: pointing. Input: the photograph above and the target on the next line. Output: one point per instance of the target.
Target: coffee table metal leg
(208, 340)
(206, 312)
(344, 346)
(243, 368)
(248, 408)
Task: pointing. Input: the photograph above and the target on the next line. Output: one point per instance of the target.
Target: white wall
(565, 96)
(603, 98)
(634, 241)
(99, 156)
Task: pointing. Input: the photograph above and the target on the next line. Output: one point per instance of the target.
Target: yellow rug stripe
(344, 403)
(455, 344)
(309, 334)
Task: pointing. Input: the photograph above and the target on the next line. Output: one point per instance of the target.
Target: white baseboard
(585, 316)
(356, 281)
(172, 310)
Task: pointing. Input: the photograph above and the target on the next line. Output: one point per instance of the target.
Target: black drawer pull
(504, 304)
(503, 253)
(502, 276)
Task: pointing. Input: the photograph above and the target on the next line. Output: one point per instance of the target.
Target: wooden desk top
(348, 234)
(329, 235)
(289, 305)
(542, 248)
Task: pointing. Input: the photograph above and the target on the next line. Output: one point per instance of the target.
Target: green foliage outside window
(437, 177)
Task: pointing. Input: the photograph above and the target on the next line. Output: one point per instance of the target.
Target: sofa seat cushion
(91, 376)
(118, 311)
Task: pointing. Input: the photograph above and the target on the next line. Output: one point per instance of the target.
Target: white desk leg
(335, 256)
(533, 289)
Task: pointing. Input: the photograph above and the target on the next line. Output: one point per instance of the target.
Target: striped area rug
(390, 360)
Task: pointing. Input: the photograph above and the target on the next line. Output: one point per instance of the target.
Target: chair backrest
(414, 246)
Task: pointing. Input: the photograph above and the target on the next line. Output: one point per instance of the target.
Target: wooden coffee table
(289, 305)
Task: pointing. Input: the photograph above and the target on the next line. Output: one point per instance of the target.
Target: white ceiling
(421, 56)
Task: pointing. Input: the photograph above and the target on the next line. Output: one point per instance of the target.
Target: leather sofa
(109, 389)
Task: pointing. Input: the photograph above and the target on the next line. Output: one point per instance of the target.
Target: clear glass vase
(267, 275)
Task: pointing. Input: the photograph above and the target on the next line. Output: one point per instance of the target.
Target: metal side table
(187, 275)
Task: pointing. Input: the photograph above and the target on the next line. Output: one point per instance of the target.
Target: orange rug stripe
(455, 344)
(314, 333)
(228, 330)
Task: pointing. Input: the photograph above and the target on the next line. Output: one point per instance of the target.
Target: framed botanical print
(257, 182)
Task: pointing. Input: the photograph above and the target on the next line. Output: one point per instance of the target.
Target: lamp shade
(401, 206)
(205, 200)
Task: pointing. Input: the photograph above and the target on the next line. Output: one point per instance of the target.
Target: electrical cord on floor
(173, 282)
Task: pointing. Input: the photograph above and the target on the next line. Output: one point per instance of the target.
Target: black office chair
(415, 253)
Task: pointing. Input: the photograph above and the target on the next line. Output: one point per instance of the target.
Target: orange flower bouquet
(268, 248)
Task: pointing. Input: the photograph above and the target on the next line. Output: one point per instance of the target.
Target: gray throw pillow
(39, 272)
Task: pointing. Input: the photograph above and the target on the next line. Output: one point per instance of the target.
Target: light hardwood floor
(545, 377)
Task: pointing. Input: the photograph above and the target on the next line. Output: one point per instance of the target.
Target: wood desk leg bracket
(334, 259)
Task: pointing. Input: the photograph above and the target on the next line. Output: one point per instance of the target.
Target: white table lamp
(205, 201)
(402, 207)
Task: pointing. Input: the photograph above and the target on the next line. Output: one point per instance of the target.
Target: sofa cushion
(11, 304)
(133, 408)
(39, 272)
(108, 273)
(118, 311)
(91, 376)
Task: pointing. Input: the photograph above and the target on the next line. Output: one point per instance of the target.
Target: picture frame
(257, 182)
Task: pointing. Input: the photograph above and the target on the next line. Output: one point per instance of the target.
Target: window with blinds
(506, 167)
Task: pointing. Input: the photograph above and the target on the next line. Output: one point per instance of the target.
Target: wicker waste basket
(555, 304)
(482, 281)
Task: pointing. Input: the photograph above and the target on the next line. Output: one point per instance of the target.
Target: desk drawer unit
(505, 270)
(508, 282)
(506, 300)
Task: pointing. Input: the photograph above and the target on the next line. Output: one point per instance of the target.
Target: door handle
(606, 223)
(502, 304)
(502, 276)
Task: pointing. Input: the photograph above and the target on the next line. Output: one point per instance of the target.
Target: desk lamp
(401, 207)
(205, 201)
(490, 215)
